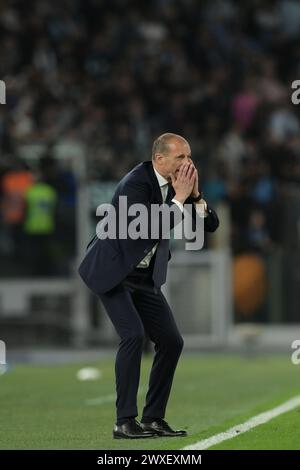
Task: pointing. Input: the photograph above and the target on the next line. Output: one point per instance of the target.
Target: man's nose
(186, 160)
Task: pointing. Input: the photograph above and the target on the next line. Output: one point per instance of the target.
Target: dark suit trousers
(135, 306)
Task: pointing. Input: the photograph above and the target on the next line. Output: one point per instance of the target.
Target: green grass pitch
(45, 407)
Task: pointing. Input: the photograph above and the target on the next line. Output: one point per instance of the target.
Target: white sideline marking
(244, 427)
(106, 399)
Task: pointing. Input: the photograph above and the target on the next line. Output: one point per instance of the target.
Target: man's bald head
(163, 143)
(169, 152)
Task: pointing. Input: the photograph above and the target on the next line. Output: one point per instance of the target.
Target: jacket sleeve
(211, 222)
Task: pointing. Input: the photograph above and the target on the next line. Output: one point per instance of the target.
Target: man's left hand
(195, 190)
(195, 193)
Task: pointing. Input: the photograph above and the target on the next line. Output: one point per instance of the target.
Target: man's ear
(158, 158)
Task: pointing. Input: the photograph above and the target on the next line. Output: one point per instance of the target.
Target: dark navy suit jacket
(108, 261)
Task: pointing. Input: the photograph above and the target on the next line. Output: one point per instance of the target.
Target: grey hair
(161, 144)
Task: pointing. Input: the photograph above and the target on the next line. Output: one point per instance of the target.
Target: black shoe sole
(161, 434)
(171, 435)
(123, 436)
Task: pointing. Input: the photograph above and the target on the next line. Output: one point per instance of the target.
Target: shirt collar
(161, 180)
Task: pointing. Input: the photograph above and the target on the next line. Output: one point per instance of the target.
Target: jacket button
(146, 251)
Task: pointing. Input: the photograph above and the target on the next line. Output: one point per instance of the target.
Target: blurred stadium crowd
(100, 80)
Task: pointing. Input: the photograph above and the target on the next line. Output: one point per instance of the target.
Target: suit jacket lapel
(155, 185)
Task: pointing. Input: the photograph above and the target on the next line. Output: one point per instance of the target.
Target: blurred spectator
(245, 104)
(283, 124)
(257, 234)
(15, 183)
(39, 227)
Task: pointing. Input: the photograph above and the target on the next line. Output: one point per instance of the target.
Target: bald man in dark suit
(127, 275)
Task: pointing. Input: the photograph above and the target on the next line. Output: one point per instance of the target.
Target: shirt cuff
(178, 204)
(201, 210)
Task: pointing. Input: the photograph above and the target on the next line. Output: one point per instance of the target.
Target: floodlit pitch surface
(47, 407)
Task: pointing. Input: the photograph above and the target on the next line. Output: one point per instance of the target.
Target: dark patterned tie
(160, 267)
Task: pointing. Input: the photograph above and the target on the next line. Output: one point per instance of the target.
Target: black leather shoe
(131, 430)
(161, 428)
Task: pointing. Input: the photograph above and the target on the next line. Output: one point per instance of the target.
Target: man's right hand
(183, 183)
